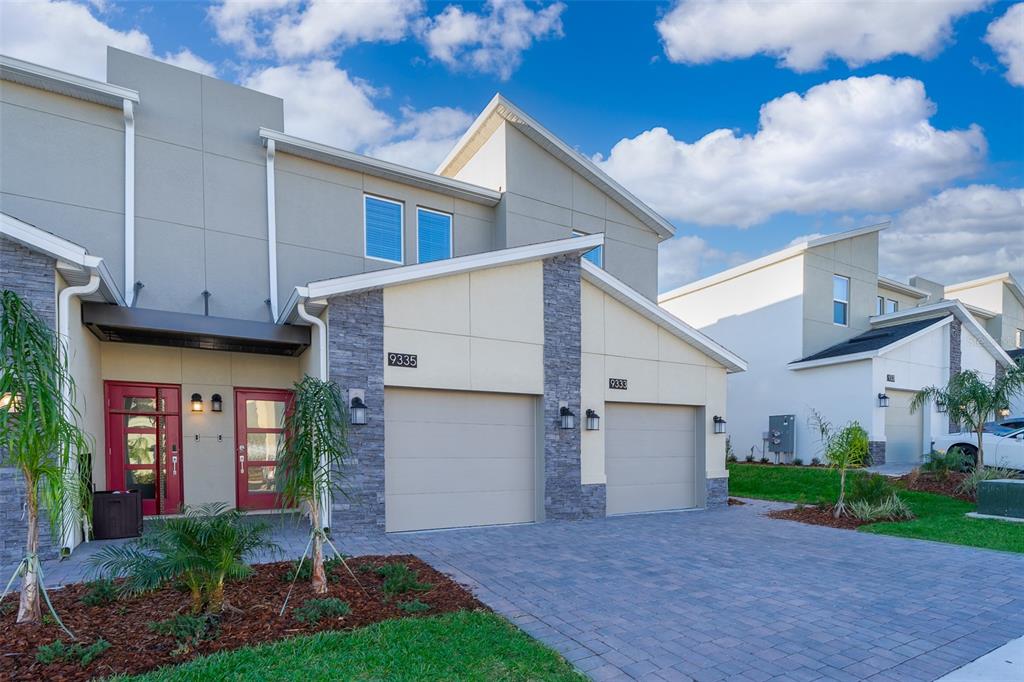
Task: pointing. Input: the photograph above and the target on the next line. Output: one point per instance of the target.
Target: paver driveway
(732, 595)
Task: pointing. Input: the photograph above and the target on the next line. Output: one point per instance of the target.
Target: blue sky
(913, 114)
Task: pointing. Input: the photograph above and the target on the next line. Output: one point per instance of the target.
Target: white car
(1001, 449)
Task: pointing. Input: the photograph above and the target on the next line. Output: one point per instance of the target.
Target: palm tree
(970, 400)
(844, 450)
(39, 433)
(312, 454)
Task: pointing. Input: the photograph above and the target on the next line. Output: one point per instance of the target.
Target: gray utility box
(1001, 497)
(782, 433)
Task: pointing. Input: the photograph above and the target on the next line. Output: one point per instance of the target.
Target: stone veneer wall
(955, 359)
(356, 361)
(31, 276)
(716, 492)
(876, 448)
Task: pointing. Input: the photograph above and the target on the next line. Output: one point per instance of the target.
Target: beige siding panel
(650, 455)
(458, 458)
(508, 303)
(903, 429)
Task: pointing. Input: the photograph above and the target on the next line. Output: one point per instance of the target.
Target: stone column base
(876, 449)
(716, 492)
(594, 501)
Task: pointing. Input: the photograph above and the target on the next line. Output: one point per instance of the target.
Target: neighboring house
(998, 299)
(822, 332)
(199, 261)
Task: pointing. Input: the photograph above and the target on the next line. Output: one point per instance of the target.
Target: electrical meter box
(782, 433)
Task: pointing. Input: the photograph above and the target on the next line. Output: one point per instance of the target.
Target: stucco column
(356, 361)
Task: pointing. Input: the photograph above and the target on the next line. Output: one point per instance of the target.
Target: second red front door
(259, 430)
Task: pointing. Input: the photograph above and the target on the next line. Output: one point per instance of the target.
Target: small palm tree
(204, 548)
(311, 458)
(844, 450)
(970, 400)
(39, 434)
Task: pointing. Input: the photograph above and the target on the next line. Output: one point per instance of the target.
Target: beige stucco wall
(658, 366)
(208, 466)
(1012, 319)
(904, 301)
(477, 331)
(996, 297)
(856, 258)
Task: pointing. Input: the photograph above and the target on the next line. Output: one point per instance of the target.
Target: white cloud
(1006, 37)
(66, 35)
(957, 235)
(243, 23)
(860, 144)
(684, 258)
(491, 42)
(804, 35)
(326, 104)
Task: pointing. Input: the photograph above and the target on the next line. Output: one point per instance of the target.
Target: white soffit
(62, 83)
(900, 287)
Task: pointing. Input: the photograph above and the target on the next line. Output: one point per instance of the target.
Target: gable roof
(1006, 278)
(874, 339)
(74, 263)
(500, 108)
(770, 259)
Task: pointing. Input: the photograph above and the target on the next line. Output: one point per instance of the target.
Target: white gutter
(70, 531)
(272, 227)
(129, 202)
(321, 329)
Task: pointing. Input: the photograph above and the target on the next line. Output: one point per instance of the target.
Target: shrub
(969, 486)
(399, 579)
(187, 630)
(870, 488)
(941, 464)
(764, 460)
(749, 458)
(73, 653)
(306, 571)
(315, 610)
(414, 606)
(798, 462)
(100, 592)
(730, 457)
(891, 508)
(815, 461)
(203, 548)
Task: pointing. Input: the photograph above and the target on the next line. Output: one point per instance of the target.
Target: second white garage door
(650, 457)
(458, 458)
(904, 439)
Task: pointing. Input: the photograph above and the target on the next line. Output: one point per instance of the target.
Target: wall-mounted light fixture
(197, 402)
(216, 403)
(940, 406)
(593, 421)
(567, 417)
(10, 402)
(719, 424)
(1003, 412)
(883, 400)
(357, 411)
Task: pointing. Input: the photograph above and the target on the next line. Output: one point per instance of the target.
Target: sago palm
(39, 434)
(970, 400)
(311, 459)
(204, 548)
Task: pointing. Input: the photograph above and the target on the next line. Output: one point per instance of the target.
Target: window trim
(451, 230)
(895, 306)
(581, 233)
(1020, 338)
(401, 231)
(880, 305)
(846, 317)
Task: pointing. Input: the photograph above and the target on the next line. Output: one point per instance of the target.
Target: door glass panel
(262, 446)
(261, 479)
(140, 448)
(140, 422)
(135, 404)
(264, 414)
(143, 480)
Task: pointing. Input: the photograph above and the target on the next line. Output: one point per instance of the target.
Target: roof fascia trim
(61, 82)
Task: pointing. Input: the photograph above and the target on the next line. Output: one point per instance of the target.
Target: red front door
(144, 443)
(259, 428)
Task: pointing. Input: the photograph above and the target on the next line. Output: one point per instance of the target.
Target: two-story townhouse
(825, 335)
(493, 324)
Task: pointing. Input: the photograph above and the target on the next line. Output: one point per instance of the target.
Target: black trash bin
(116, 514)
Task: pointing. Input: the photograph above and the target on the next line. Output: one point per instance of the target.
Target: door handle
(174, 465)
(241, 464)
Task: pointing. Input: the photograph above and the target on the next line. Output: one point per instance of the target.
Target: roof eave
(63, 83)
(900, 287)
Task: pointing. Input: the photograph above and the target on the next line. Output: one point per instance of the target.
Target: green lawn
(939, 518)
(456, 646)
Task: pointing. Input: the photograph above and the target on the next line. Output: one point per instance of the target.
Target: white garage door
(903, 429)
(454, 458)
(650, 457)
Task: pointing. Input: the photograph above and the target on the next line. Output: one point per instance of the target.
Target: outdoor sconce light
(197, 402)
(567, 418)
(593, 421)
(357, 411)
(940, 406)
(216, 404)
(1003, 412)
(883, 400)
(719, 424)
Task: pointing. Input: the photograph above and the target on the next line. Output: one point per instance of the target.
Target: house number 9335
(401, 360)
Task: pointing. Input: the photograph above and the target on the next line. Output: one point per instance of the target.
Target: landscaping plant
(970, 400)
(844, 449)
(870, 488)
(187, 630)
(941, 464)
(102, 591)
(891, 508)
(399, 579)
(39, 435)
(414, 606)
(315, 610)
(202, 549)
(73, 653)
(311, 460)
(969, 486)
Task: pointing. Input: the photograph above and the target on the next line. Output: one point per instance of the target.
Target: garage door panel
(458, 407)
(640, 470)
(416, 512)
(458, 474)
(412, 440)
(645, 443)
(648, 417)
(630, 499)
(904, 432)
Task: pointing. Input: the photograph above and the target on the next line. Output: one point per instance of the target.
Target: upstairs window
(595, 255)
(840, 300)
(891, 306)
(880, 306)
(383, 229)
(1020, 338)
(433, 235)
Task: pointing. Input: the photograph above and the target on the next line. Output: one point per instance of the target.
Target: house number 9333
(402, 360)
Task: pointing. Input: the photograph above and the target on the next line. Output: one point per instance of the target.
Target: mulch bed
(927, 482)
(733, 502)
(818, 516)
(135, 648)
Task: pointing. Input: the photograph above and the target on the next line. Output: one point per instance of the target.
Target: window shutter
(435, 236)
(383, 229)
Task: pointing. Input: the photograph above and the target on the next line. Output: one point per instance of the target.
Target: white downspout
(71, 531)
(321, 330)
(129, 202)
(272, 228)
